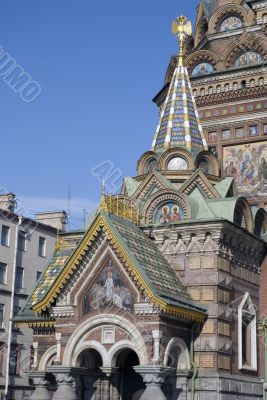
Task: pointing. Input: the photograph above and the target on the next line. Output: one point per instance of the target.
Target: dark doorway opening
(131, 385)
(90, 360)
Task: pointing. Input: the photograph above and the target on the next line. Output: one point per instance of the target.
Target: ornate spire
(179, 124)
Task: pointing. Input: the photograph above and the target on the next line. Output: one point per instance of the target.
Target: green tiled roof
(48, 277)
(224, 186)
(131, 185)
(154, 269)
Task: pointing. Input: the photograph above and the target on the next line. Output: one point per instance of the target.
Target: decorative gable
(199, 180)
(151, 184)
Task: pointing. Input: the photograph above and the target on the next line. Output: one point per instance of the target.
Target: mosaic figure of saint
(262, 171)
(176, 215)
(231, 170)
(165, 216)
(109, 286)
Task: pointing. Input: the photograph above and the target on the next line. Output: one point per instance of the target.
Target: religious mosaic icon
(204, 166)
(168, 213)
(152, 165)
(177, 164)
(248, 58)
(108, 289)
(247, 163)
(202, 69)
(230, 24)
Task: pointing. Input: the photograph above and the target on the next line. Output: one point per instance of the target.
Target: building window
(5, 235)
(239, 133)
(19, 278)
(42, 245)
(212, 136)
(38, 274)
(2, 311)
(16, 310)
(265, 129)
(253, 130)
(1, 356)
(247, 335)
(14, 361)
(226, 134)
(3, 269)
(22, 241)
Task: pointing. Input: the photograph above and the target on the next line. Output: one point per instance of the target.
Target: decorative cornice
(228, 97)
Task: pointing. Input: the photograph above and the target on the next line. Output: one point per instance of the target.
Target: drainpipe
(193, 365)
(11, 314)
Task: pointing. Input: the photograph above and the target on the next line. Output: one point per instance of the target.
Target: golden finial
(103, 204)
(60, 244)
(181, 28)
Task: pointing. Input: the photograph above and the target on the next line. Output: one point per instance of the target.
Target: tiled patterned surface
(179, 124)
(53, 270)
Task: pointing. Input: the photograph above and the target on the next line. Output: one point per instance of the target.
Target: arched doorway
(90, 360)
(130, 383)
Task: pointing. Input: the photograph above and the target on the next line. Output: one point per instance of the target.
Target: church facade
(160, 299)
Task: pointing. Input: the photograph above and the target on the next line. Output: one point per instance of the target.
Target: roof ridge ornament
(181, 28)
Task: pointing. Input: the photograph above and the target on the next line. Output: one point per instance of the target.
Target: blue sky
(99, 64)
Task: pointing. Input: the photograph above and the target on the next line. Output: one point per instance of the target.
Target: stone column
(35, 355)
(157, 336)
(58, 341)
(65, 390)
(115, 390)
(107, 389)
(68, 380)
(97, 386)
(153, 377)
(40, 392)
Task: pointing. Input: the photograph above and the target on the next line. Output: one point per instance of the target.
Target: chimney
(7, 202)
(57, 219)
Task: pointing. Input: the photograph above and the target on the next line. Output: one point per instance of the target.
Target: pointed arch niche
(247, 334)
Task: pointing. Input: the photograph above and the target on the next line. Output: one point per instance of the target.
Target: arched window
(247, 334)
(230, 23)
(204, 165)
(151, 165)
(264, 18)
(261, 81)
(210, 90)
(177, 164)
(243, 84)
(202, 92)
(252, 83)
(218, 89)
(226, 87)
